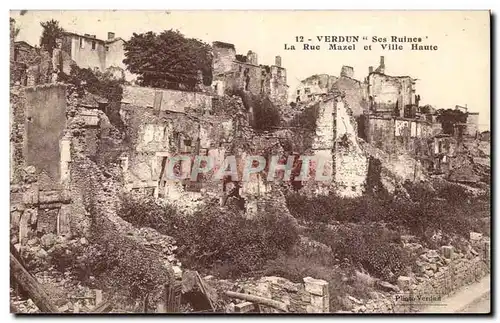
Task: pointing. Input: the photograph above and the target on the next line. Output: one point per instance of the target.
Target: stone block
(98, 296)
(320, 304)
(474, 236)
(316, 286)
(47, 220)
(244, 307)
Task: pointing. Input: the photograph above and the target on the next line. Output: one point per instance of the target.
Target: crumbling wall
(167, 100)
(440, 273)
(394, 135)
(311, 296)
(45, 124)
(236, 73)
(390, 92)
(224, 56)
(154, 138)
(278, 92)
(315, 84)
(354, 94)
(337, 152)
(350, 162)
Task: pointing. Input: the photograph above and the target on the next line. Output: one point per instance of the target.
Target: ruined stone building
(40, 161)
(471, 127)
(336, 143)
(313, 85)
(233, 73)
(87, 51)
(391, 95)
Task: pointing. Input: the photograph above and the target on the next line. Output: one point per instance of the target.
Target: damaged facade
(233, 73)
(87, 51)
(389, 116)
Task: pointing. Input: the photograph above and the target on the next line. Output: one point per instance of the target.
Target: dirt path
(474, 298)
(480, 306)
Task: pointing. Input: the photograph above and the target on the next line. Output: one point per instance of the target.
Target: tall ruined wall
(167, 100)
(235, 73)
(384, 91)
(354, 94)
(351, 164)
(278, 88)
(389, 92)
(224, 56)
(472, 124)
(45, 124)
(316, 84)
(336, 132)
(41, 158)
(395, 134)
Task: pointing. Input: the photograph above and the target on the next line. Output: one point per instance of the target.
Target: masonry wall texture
(167, 100)
(243, 73)
(351, 164)
(311, 296)
(83, 52)
(392, 134)
(472, 124)
(45, 124)
(315, 84)
(336, 145)
(354, 94)
(442, 272)
(388, 92)
(154, 137)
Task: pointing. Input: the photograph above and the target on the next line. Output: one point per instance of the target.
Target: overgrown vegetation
(114, 263)
(450, 118)
(104, 85)
(168, 60)
(216, 240)
(101, 84)
(450, 209)
(51, 32)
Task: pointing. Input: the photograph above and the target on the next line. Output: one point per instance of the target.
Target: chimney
(93, 36)
(382, 62)
(278, 61)
(370, 69)
(347, 71)
(111, 35)
(252, 58)
(86, 35)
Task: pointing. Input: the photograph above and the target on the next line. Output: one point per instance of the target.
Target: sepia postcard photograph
(250, 162)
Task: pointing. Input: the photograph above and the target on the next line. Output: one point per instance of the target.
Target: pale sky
(457, 73)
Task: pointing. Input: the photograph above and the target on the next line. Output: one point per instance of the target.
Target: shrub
(341, 280)
(221, 239)
(120, 266)
(375, 249)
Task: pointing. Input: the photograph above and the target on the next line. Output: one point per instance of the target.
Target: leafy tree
(51, 32)
(449, 118)
(168, 59)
